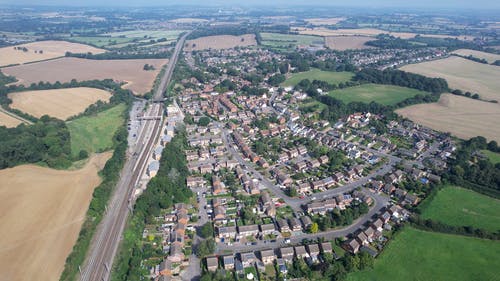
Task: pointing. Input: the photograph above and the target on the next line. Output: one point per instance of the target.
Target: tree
(204, 121)
(314, 228)
(83, 154)
(207, 230)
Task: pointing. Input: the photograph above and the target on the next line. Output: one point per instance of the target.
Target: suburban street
(107, 237)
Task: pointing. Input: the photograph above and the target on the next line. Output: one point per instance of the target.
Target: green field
(420, 255)
(147, 34)
(462, 207)
(101, 42)
(493, 156)
(285, 41)
(316, 74)
(383, 94)
(95, 133)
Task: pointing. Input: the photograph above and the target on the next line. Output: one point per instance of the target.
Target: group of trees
(164, 190)
(46, 141)
(341, 217)
(474, 172)
(403, 79)
(386, 41)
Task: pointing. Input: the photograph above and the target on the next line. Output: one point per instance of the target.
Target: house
(228, 262)
(248, 259)
(248, 230)
(378, 224)
(306, 221)
(267, 256)
(411, 199)
(362, 238)
(219, 213)
(300, 252)
(286, 254)
(385, 217)
(369, 232)
(176, 254)
(266, 229)
(212, 264)
(313, 250)
(400, 193)
(227, 232)
(283, 225)
(352, 246)
(157, 152)
(295, 224)
(153, 168)
(326, 247)
(165, 268)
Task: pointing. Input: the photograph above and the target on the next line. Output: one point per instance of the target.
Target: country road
(107, 237)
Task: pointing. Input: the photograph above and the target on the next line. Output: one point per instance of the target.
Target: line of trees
(163, 191)
(110, 175)
(436, 226)
(120, 55)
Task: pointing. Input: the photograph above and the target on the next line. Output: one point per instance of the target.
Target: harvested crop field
(220, 42)
(42, 212)
(342, 43)
(489, 57)
(350, 32)
(138, 80)
(8, 121)
(50, 50)
(461, 116)
(462, 74)
(58, 103)
(324, 21)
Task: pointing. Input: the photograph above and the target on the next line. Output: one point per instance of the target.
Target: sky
(452, 4)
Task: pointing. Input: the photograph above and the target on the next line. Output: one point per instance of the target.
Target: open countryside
(463, 207)
(8, 121)
(489, 57)
(342, 43)
(460, 116)
(421, 255)
(58, 103)
(462, 74)
(316, 74)
(383, 94)
(131, 72)
(42, 216)
(95, 133)
(42, 50)
(220, 42)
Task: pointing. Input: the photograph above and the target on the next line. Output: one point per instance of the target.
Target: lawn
(383, 94)
(462, 207)
(95, 133)
(284, 41)
(493, 156)
(420, 255)
(316, 74)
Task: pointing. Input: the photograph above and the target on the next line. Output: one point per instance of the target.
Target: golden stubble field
(460, 116)
(324, 21)
(321, 31)
(8, 121)
(50, 49)
(342, 43)
(220, 42)
(41, 214)
(463, 74)
(490, 58)
(59, 103)
(138, 80)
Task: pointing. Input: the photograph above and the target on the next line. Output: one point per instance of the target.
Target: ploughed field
(419, 255)
(65, 69)
(58, 103)
(463, 207)
(42, 212)
(342, 43)
(220, 42)
(383, 94)
(42, 50)
(460, 116)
